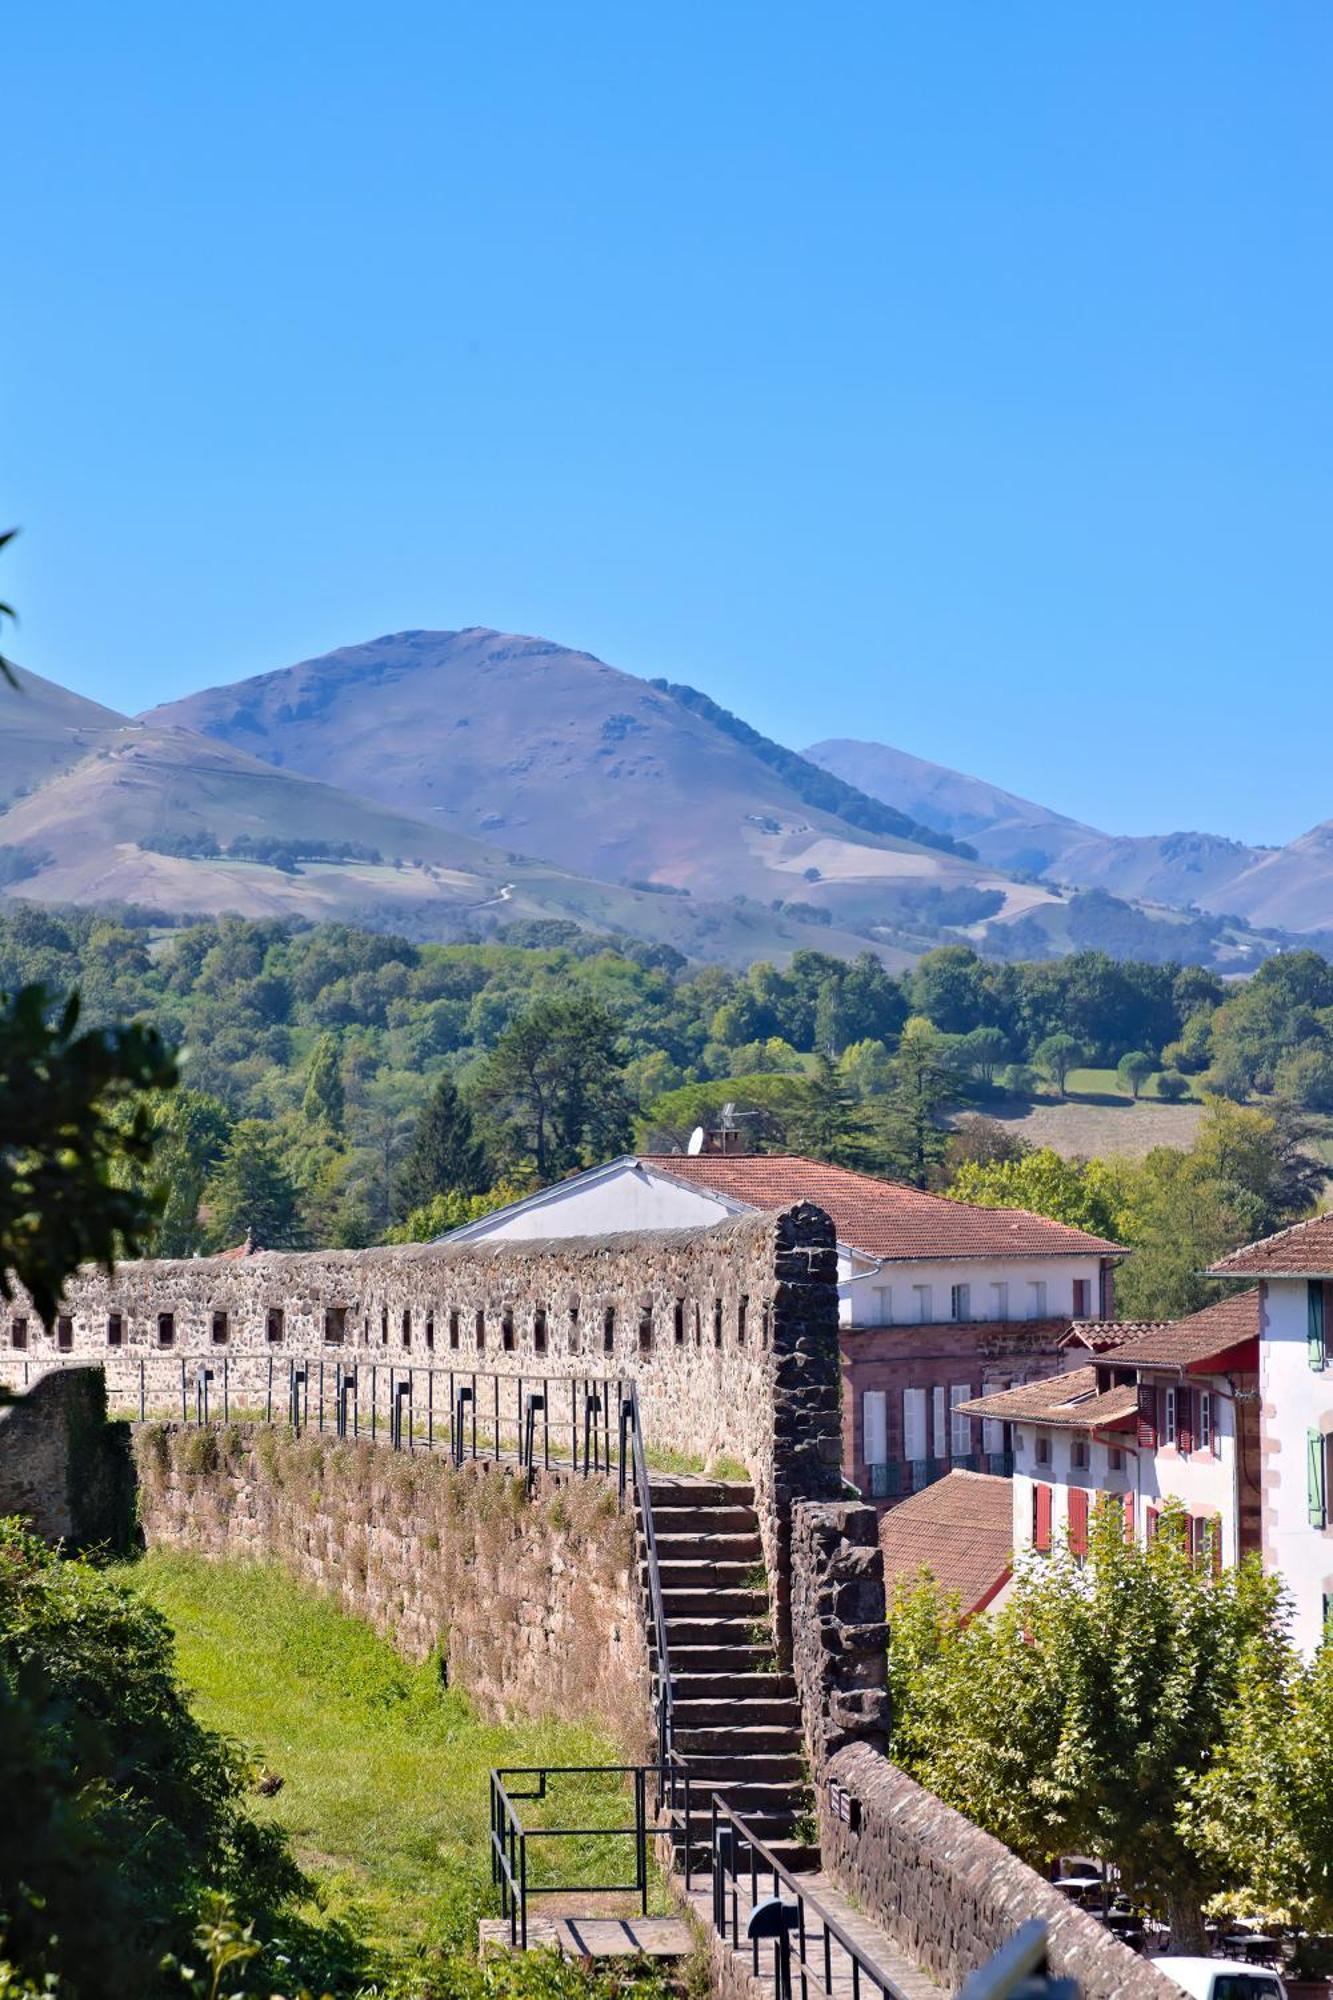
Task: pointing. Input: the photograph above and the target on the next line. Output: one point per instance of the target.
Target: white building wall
(627, 1199)
(1296, 1399)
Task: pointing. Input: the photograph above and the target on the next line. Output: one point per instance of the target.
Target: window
(1078, 1454)
(765, 1323)
(384, 1326)
(574, 1324)
(961, 1427)
(999, 1298)
(914, 1424)
(1206, 1433)
(273, 1326)
(742, 1309)
(1205, 1532)
(507, 1331)
(64, 1333)
(609, 1330)
(479, 1330)
(678, 1323)
(1041, 1519)
(925, 1308)
(1078, 1523)
(115, 1330)
(430, 1331)
(406, 1327)
(717, 1322)
(539, 1331)
(646, 1329)
(939, 1422)
(992, 1433)
(1314, 1319)
(1169, 1417)
(1082, 1299)
(960, 1301)
(1152, 1516)
(166, 1329)
(875, 1427)
(1115, 1458)
(1043, 1452)
(884, 1293)
(18, 1333)
(221, 1329)
(1185, 1421)
(335, 1325)
(1128, 1499)
(1037, 1299)
(453, 1329)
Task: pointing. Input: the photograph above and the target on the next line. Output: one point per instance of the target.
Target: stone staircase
(737, 1719)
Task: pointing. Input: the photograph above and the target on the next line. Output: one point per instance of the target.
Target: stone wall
(729, 1332)
(532, 1600)
(839, 1633)
(63, 1469)
(950, 1895)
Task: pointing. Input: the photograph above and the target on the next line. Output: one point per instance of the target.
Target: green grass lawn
(1106, 1083)
(384, 1770)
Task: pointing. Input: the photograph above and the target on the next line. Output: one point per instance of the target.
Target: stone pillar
(839, 1633)
(806, 1389)
(63, 1468)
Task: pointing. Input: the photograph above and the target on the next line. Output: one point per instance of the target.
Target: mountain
(1288, 889)
(44, 728)
(556, 753)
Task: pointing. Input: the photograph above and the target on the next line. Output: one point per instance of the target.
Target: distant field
(1103, 1126)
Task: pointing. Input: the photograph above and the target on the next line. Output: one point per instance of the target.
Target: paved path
(884, 1967)
(599, 1937)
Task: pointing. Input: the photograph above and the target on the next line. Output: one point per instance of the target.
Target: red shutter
(1129, 1517)
(1041, 1518)
(1147, 1426)
(1151, 1519)
(1215, 1530)
(1184, 1420)
(1078, 1521)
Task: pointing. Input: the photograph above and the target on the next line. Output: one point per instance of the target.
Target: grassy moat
(383, 1769)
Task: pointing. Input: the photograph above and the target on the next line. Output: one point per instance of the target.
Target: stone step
(732, 1546)
(688, 1489)
(723, 1771)
(714, 1658)
(696, 1571)
(683, 1600)
(703, 1521)
(753, 1713)
(685, 1633)
(726, 1739)
(742, 1684)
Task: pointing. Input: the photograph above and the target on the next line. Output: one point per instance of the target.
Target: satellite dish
(696, 1144)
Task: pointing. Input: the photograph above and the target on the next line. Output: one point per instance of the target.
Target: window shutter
(1315, 1479)
(1078, 1521)
(875, 1426)
(1184, 1420)
(1151, 1519)
(1129, 1517)
(1041, 1518)
(1314, 1317)
(1147, 1425)
(1215, 1537)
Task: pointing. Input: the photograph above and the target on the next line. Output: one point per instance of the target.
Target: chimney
(726, 1140)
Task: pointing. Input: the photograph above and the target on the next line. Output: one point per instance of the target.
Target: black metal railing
(633, 1456)
(809, 1943)
(510, 1836)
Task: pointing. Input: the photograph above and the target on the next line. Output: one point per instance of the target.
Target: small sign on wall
(844, 1806)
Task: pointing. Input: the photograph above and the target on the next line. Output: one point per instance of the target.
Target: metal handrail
(663, 1692)
(509, 1837)
(729, 1836)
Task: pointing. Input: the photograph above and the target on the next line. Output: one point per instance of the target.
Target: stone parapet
(838, 1625)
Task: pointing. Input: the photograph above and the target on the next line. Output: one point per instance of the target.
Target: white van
(1222, 1978)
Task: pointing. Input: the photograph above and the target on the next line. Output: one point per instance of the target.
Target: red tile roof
(1303, 1251)
(882, 1218)
(1070, 1402)
(1199, 1338)
(1101, 1336)
(961, 1529)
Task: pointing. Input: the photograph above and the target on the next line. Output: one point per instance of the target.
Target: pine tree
(826, 1126)
(251, 1194)
(445, 1156)
(324, 1103)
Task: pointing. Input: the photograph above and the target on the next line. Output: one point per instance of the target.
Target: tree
(445, 1156)
(554, 1087)
(826, 1126)
(1085, 1194)
(983, 1051)
(1172, 1086)
(985, 1141)
(190, 1131)
(250, 1194)
(71, 1122)
(925, 1080)
(1078, 1716)
(1134, 1069)
(1306, 1076)
(1056, 1056)
(324, 1103)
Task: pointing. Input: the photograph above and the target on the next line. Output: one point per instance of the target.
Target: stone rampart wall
(730, 1334)
(63, 1469)
(531, 1599)
(839, 1634)
(950, 1895)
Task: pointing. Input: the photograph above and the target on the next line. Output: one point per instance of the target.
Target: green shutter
(1314, 1319)
(1315, 1478)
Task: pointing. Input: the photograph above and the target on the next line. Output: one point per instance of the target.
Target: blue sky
(953, 375)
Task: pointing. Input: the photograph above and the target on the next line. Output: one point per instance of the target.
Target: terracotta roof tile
(1101, 1336)
(1189, 1342)
(960, 1528)
(1069, 1401)
(1303, 1251)
(882, 1218)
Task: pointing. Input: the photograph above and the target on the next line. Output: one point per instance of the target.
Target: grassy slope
(385, 1773)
